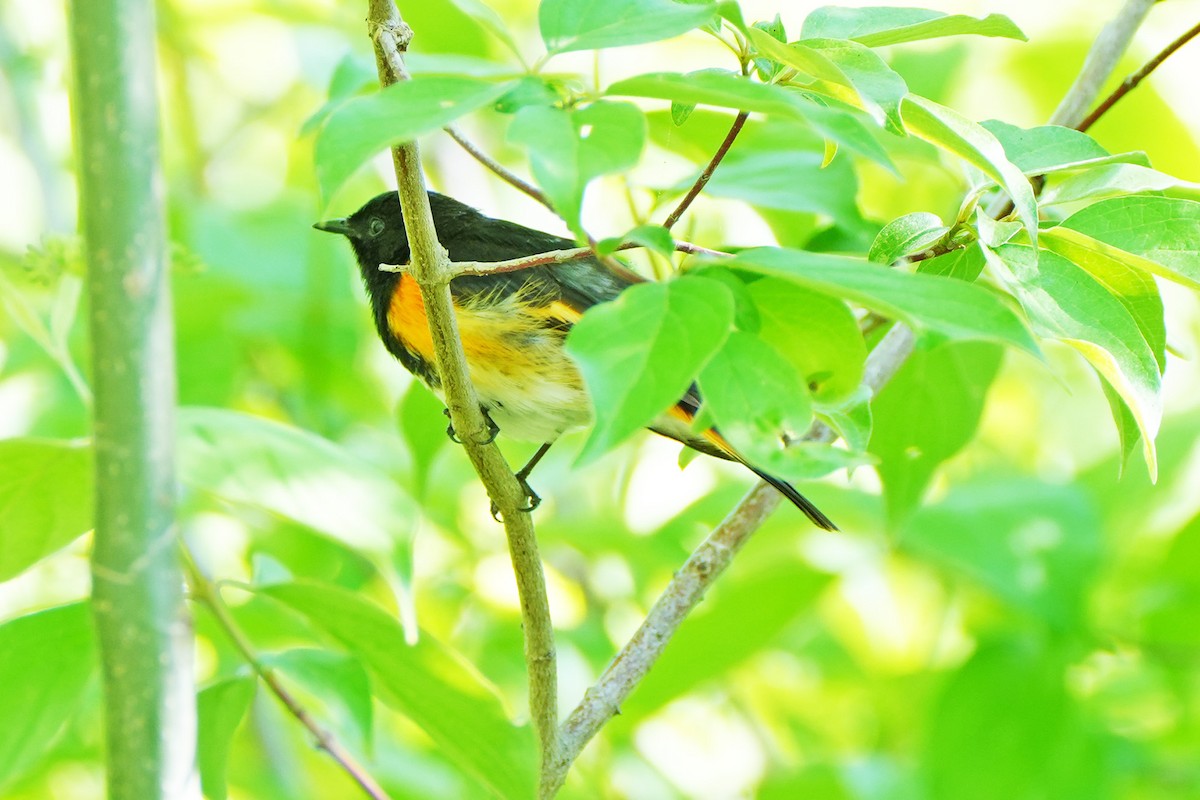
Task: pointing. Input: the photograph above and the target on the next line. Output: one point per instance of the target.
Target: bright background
(856, 665)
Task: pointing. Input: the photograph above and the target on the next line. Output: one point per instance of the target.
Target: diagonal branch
(696, 577)
(204, 592)
(430, 270)
(707, 174)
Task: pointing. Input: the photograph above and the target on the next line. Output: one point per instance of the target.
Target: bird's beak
(340, 225)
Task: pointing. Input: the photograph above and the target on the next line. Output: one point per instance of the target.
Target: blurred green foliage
(1011, 609)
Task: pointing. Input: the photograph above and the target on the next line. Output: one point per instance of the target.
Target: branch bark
(145, 642)
(430, 269)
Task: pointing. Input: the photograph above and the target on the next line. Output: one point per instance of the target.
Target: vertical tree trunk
(137, 585)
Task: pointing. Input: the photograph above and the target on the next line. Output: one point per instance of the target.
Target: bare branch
(431, 271)
(1130, 83)
(456, 268)
(497, 168)
(1102, 58)
(713, 163)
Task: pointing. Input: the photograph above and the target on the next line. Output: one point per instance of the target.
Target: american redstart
(512, 325)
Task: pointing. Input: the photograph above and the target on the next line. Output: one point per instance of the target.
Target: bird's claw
(531, 497)
(493, 429)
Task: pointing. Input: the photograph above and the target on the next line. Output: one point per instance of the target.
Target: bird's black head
(376, 232)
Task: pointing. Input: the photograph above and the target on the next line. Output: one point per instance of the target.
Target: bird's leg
(492, 428)
(522, 476)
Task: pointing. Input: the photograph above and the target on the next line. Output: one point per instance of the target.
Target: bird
(512, 325)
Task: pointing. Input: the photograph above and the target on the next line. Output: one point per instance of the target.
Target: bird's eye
(376, 227)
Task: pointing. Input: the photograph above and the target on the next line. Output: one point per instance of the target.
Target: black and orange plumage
(512, 324)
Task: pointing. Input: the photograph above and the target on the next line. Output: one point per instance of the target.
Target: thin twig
(204, 592)
(430, 270)
(702, 181)
(1130, 83)
(496, 167)
(456, 268)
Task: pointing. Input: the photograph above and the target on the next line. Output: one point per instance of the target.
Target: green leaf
(568, 25)
(1044, 148)
(652, 237)
(641, 352)
(1165, 231)
(490, 21)
(1124, 280)
(974, 144)
(340, 681)
(744, 617)
(963, 263)
(948, 383)
(1108, 180)
(423, 426)
(429, 683)
(846, 127)
(788, 180)
(362, 126)
(867, 73)
(1065, 302)
(816, 333)
(45, 499)
(906, 236)
(1007, 726)
(712, 87)
(293, 473)
(1034, 545)
(1047, 149)
(220, 709)
(46, 662)
(950, 307)
(845, 71)
(880, 26)
(569, 148)
(756, 397)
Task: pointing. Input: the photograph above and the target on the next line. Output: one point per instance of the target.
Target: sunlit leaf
(594, 24)
(974, 144)
(950, 307)
(906, 236)
(568, 148)
(340, 681)
(46, 662)
(816, 333)
(1109, 180)
(1065, 302)
(362, 126)
(220, 709)
(640, 352)
(756, 397)
(947, 383)
(45, 499)
(293, 473)
(880, 26)
(1165, 231)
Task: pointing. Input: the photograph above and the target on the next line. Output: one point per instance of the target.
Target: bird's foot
(532, 500)
(492, 428)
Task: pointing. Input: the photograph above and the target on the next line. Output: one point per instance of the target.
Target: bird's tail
(798, 500)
